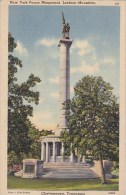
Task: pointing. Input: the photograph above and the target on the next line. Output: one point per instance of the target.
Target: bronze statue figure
(65, 28)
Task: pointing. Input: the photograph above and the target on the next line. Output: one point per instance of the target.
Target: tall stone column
(64, 81)
(47, 151)
(54, 152)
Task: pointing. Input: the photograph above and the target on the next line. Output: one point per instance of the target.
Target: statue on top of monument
(66, 28)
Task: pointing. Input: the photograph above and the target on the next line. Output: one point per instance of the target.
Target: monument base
(32, 168)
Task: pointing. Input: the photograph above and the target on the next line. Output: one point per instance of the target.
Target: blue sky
(95, 49)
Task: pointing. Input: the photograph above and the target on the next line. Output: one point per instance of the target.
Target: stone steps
(66, 165)
(68, 171)
(70, 176)
(67, 168)
(71, 173)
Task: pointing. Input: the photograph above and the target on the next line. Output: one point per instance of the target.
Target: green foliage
(23, 136)
(115, 172)
(35, 146)
(19, 109)
(93, 120)
(90, 161)
(13, 159)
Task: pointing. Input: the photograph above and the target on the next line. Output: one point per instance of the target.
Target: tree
(93, 121)
(34, 151)
(34, 136)
(20, 96)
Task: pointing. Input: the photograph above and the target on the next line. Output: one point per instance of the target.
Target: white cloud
(48, 42)
(86, 68)
(109, 60)
(21, 49)
(83, 46)
(54, 80)
(54, 95)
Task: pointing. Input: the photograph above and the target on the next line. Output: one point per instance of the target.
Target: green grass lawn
(61, 184)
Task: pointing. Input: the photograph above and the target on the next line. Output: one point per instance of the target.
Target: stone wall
(97, 168)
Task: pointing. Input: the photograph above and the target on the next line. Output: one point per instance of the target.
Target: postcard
(63, 97)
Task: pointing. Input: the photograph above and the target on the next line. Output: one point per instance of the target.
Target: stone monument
(53, 164)
(52, 148)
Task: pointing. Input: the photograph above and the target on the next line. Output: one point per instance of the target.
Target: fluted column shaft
(47, 151)
(54, 152)
(43, 151)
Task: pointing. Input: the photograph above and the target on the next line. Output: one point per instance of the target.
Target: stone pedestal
(83, 159)
(32, 168)
(107, 167)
